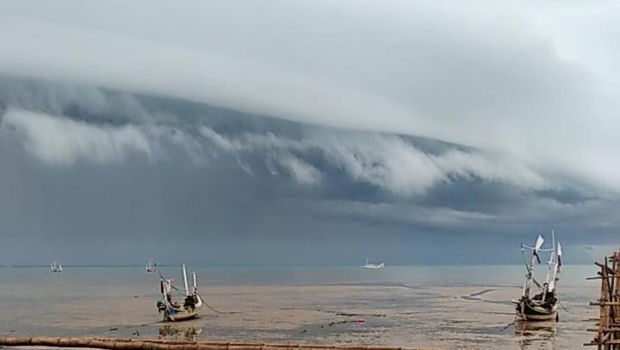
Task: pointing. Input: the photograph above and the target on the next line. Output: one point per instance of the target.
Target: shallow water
(466, 307)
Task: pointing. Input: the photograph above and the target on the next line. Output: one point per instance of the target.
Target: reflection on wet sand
(179, 332)
(434, 317)
(536, 335)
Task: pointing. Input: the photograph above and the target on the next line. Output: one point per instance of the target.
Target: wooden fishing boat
(173, 310)
(534, 309)
(55, 267)
(543, 304)
(151, 266)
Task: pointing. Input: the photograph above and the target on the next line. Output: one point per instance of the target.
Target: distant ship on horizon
(56, 267)
(151, 266)
(370, 265)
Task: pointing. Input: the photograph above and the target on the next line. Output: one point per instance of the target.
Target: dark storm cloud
(412, 129)
(84, 176)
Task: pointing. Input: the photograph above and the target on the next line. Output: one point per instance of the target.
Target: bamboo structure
(608, 330)
(145, 344)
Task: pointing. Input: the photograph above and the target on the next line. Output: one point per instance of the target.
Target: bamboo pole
(154, 344)
(608, 332)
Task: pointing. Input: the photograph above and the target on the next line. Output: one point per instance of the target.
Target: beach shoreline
(369, 312)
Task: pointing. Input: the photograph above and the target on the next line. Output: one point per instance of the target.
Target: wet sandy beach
(434, 317)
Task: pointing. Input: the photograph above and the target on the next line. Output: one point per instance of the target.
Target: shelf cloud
(356, 117)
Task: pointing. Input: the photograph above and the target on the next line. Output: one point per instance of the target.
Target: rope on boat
(565, 309)
(204, 301)
(510, 324)
(214, 309)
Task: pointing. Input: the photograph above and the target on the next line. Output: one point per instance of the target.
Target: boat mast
(166, 290)
(530, 268)
(551, 262)
(557, 268)
(528, 275)
(195, 290)
(185, 280)
(550, 267)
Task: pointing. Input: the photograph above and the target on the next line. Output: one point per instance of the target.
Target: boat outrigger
(172, 310)
(543, 305)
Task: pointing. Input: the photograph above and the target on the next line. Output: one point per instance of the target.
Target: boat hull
(174, 314)
(528, 311)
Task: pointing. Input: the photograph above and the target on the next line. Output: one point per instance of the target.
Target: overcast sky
(301, 132)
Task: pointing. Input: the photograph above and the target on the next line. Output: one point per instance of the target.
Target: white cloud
(301, 171)
(61, 141)
(395, 165)
(491, 168)
(387, 162)
(217, 140)
(384, 161)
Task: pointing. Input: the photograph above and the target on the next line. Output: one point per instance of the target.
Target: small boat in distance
(151, 266)
(370, 265)
(543, 305)
(173, 311)
(55, 267)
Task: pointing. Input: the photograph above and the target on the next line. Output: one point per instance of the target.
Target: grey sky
(401, 127)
